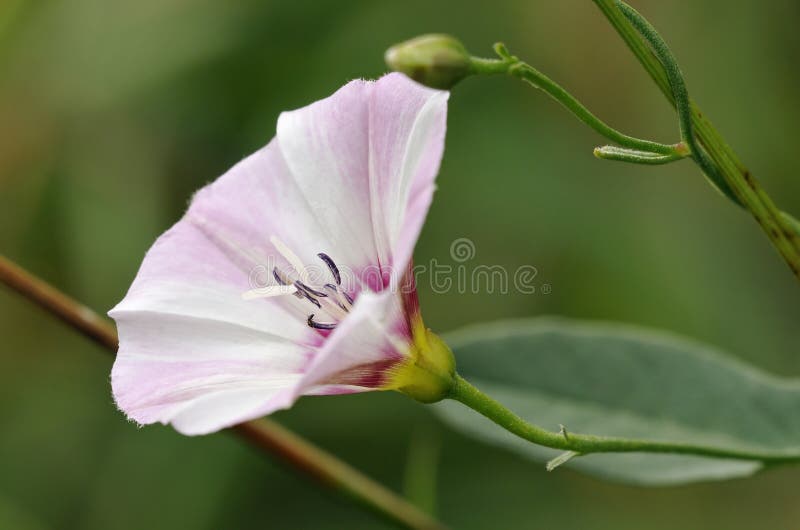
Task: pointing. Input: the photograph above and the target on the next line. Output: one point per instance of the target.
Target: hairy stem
(584, 444)
(746, 190)
(265, 434)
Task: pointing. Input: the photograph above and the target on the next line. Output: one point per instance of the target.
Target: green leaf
(619, 380)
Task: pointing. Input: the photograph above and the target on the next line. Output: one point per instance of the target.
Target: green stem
(511, 65)
(680, 95)
(671, 69)
(584, 444)
(718, 156)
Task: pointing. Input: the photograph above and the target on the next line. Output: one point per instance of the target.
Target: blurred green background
(112, 113)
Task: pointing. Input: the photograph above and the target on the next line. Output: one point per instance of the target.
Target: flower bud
(437, 61)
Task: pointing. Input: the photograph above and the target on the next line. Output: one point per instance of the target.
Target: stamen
(309, 290)
(309, 298)
(291, 257)
(347, 297)
(332, 266)
(331, 298)
(279, 277)
(337, 297)
(319, 325)
(283, 280)
(269, 291)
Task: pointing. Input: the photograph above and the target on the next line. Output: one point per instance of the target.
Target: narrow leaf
(563, 458)
(634, 156)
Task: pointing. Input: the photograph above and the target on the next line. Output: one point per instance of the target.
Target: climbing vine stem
(513, 66)
(441, 61)
(712, 153)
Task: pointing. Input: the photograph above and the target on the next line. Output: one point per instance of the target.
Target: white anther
(292, 258)
(269, 291)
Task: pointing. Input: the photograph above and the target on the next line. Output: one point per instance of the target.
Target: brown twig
(58, 304)
(265, 434)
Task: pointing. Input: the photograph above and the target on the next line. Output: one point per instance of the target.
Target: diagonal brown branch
(265, 434)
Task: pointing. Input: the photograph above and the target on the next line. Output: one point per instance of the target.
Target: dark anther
(332, 288)
(283, 280)
(279, 277)
(332, 266)
(310, 298)
(303, 287)
(319, 325)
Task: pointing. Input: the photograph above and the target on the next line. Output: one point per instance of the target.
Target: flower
(289, 275)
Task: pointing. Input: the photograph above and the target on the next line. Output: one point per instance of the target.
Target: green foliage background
(112, 113)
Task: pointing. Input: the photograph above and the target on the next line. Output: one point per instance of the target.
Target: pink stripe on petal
(364, 348)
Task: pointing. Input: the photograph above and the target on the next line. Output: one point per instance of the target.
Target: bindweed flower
(290, 274)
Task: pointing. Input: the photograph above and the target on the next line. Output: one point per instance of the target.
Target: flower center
(329, 297)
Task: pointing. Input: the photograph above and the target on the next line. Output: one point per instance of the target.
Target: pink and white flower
(343, 188)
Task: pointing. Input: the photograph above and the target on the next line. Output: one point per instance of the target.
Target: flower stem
(718, 160)
(513, 66)
(584, 444)
(265, 434)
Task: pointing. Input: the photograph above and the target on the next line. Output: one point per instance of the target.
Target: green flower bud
(437, 61)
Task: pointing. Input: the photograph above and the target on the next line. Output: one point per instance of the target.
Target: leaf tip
(563, 458)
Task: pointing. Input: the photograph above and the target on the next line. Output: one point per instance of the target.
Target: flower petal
(186, 334)
(326, 147)
(363, 349)
(256, 202)
(407, 125)
(365, 159)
